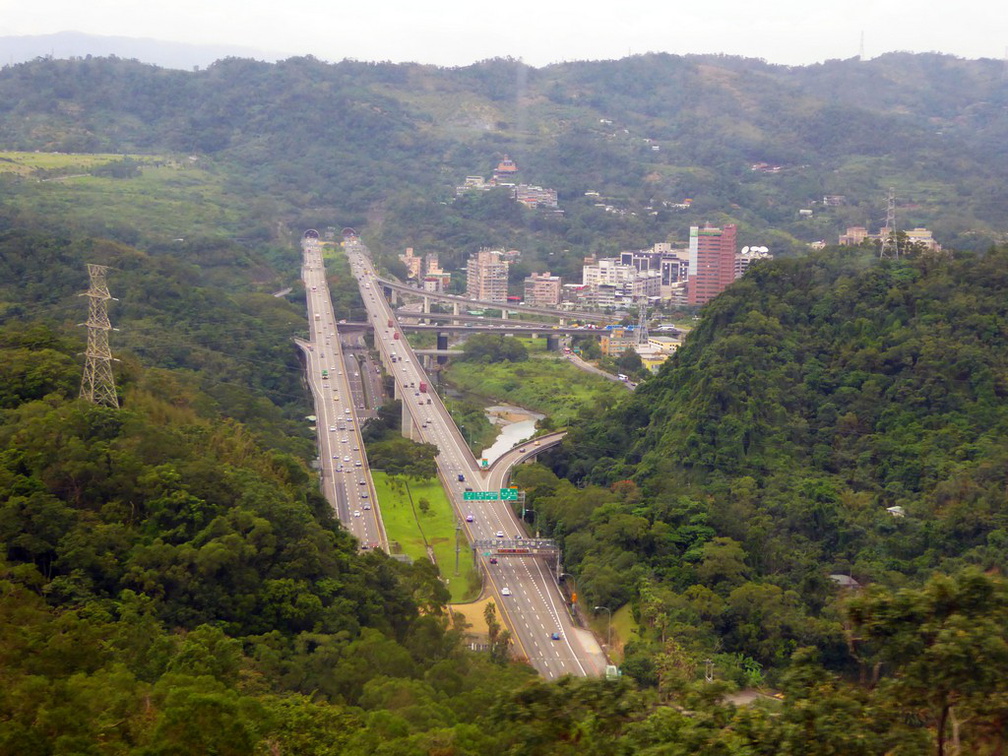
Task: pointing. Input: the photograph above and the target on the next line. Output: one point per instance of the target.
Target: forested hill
(813, 396)
(387, 143)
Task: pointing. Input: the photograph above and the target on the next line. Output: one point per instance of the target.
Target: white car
(332, 428)
(356, 513)
(500, 533)
(505, 591)
(346, 459)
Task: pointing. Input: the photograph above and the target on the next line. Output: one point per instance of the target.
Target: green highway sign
(479, 496)
(505, 494)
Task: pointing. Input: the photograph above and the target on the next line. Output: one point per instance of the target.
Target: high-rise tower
(711, 262)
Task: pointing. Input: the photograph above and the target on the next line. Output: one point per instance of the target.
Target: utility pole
(98, 383)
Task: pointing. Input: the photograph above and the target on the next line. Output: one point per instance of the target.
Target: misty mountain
(72, 44)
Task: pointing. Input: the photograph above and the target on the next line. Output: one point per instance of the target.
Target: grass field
(437, 526)
(29, 163)
(549, 385)
(167, 200)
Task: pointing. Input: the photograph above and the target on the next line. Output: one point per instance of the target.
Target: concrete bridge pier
(552, 343)
(409, 429)
(442, 343)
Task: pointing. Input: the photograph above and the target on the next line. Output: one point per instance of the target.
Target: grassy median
(415, 527)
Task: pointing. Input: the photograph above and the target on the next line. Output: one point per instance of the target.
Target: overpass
(505, 307)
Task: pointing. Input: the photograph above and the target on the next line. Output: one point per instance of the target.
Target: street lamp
(609, 634)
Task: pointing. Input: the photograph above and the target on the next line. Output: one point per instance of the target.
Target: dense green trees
(489, 347)
(835, 415)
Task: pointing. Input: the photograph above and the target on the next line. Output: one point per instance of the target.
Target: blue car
(555, 636)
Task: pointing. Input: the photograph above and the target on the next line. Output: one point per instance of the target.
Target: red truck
(423, 387)
(390, 323)
(395, 335)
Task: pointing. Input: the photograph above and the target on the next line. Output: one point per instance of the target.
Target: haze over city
(453, 33)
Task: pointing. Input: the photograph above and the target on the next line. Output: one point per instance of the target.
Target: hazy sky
(459, 32)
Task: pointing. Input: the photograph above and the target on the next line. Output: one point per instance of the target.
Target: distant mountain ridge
(72, 44)
(386, 144)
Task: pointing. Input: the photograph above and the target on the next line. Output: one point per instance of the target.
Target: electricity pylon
(97, 383)
(890, 243)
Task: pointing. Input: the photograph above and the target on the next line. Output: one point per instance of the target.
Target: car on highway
(522, 449)
(356, 513)
(332, 428)
(356, 463)
(500, 534)
(361, 482)
(367, 505)
(364, 495)
(346, 459)
(555, 636)
(493, 560)
(505, 591)
(470, 518)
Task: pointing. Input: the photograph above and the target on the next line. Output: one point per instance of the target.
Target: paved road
(346, 481)
(577, 362)
(535, 607)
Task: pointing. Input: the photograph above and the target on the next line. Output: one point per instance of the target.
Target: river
(516, 425)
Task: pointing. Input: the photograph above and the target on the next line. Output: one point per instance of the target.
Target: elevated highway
(346, 480)
(524, 589)
(464, 302)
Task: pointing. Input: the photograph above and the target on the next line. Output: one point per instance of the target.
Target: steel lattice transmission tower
(98, 384)
(890, 244)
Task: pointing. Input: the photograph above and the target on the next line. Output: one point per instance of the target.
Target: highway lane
(535, 608)
(346, 481)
